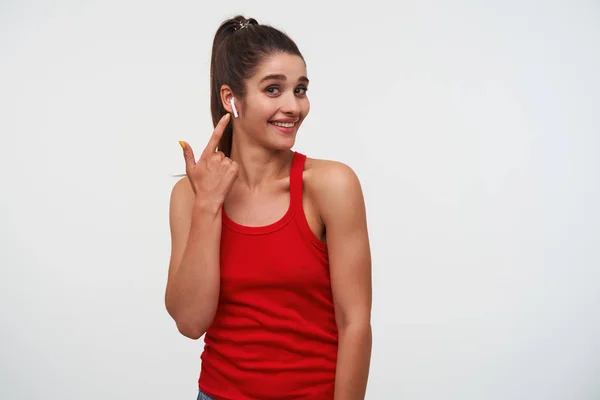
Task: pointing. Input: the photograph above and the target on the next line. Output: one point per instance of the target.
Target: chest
(280, 259)
(259, 209)
(270, 207)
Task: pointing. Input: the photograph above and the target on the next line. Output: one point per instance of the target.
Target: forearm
(354, 358)
(193, 289)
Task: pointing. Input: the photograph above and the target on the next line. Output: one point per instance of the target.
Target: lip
(284, 129)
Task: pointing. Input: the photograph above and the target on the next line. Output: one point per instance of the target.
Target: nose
(290, 104)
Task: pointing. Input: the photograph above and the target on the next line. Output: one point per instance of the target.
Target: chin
(279, 141)
(282, 145)
(285, 146)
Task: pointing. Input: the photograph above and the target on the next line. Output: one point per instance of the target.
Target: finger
(232, 174)
(188, 155)
(215, 158)
(213, 143)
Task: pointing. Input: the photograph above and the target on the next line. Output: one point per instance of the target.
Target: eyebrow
(281, 77)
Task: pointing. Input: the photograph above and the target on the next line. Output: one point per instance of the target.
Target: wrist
(207, 207)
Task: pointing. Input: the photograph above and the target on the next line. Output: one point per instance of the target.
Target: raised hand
(213, 175)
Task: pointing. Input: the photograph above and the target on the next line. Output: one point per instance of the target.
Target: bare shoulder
(329, 175)
(183, 184)
(331, 184)
(182, 197)
(182, 188)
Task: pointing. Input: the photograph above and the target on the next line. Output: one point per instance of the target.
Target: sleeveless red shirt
(274, 335)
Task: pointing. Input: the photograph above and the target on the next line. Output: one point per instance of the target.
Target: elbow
(190, 332)
(363, 328)
(359, 334)
(358, 325)
(192, 328)
(191, 322)
(356, 320)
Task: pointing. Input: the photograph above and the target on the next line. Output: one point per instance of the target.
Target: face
(275, 103)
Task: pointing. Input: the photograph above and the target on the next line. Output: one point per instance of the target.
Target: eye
(301, 90)
(272, 90)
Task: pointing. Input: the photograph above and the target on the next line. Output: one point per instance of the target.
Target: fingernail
(182, 144)
(227, 116)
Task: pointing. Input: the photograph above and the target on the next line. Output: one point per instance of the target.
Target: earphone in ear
(235, 113)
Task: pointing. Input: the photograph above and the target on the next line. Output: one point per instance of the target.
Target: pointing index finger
(213, 142)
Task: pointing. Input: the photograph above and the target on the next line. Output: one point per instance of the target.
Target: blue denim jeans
(202, 396)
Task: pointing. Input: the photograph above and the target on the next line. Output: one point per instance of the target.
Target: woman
(270, 252)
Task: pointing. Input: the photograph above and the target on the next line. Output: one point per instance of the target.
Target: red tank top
(274, 335)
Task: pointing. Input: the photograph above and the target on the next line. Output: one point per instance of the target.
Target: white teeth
(284, 124)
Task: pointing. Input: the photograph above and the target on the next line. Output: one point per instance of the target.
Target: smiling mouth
(284, 124)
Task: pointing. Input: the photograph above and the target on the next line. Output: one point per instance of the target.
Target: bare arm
(192, 292)
(342, 208)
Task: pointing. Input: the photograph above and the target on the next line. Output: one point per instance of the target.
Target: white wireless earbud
(235, 113)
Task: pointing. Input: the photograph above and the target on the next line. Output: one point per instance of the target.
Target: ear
(226, 95)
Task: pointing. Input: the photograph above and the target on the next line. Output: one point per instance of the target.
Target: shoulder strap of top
(296, 180)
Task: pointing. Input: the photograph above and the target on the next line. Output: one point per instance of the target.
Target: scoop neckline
(272, 227)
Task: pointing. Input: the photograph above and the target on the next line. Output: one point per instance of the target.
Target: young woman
(270, 252)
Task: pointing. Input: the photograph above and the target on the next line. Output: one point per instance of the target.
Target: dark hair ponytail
(239, 46)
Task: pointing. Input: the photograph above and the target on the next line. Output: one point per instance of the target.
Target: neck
(259, 166)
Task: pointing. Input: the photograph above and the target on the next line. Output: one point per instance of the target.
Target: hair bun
(242, 22)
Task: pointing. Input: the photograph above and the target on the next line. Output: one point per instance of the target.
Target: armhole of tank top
(296, 194)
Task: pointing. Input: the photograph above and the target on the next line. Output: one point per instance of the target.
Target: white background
(473, 125)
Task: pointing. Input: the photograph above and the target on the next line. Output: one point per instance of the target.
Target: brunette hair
(239, 46)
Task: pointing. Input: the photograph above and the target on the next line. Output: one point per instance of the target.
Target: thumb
(188, 155)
